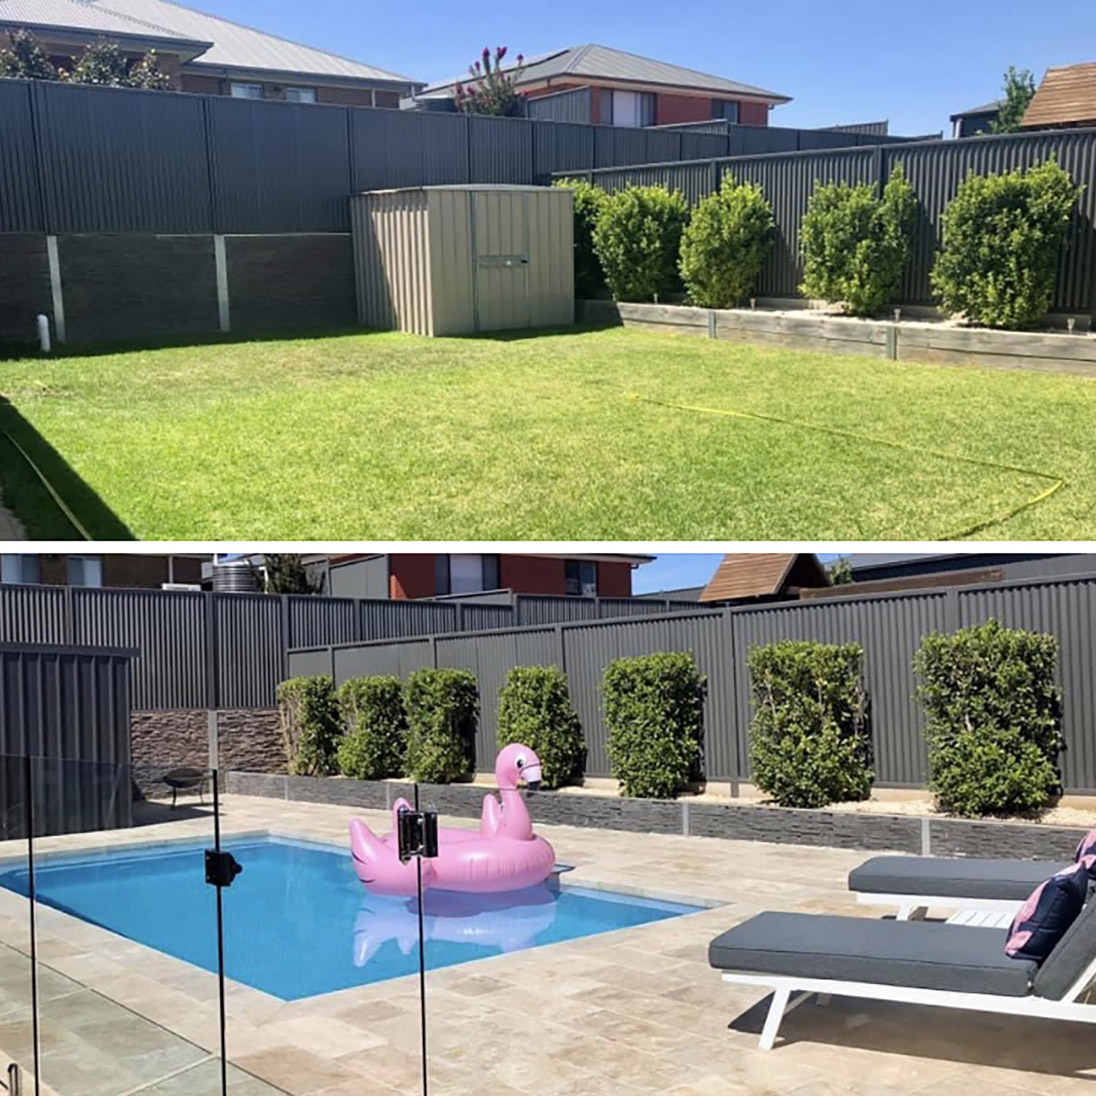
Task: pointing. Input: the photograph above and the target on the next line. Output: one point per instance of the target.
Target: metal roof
(988, 108)
(227, 45)
(601, 62)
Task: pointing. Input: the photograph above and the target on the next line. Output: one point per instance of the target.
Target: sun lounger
(913, 884)
(918, 962)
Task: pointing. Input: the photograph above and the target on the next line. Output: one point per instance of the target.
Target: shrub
(1002, 238)
(535, 709)
(490, 88)
(809, 737)
(588, 200)
(308, 714)
(442, 706)
(855, 244)
(637, 239)
(25, 59)
(994, 719)
(375, 743)
(725, 243)
(654, 708)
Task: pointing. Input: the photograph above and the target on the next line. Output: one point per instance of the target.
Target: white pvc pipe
(43, 333)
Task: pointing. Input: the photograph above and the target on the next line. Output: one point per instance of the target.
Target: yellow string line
(76, 523)
(1056, 482)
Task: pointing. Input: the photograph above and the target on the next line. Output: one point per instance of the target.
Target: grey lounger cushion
(952, 877)
(927, 955)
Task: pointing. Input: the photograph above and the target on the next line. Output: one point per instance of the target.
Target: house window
(725, 108)
(628, 108)
(85, 571)
(246, 91)
(20, 570)
(581, 578)
(465, 573)
(300, 95)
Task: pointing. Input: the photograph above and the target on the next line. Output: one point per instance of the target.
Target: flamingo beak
(532, 777)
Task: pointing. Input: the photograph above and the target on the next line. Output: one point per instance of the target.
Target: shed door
(500, 231)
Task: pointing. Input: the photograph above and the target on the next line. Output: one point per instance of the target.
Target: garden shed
(457, 260)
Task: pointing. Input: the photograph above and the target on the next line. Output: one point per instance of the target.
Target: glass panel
(465, 573)
(17, 1030)
(127, 954)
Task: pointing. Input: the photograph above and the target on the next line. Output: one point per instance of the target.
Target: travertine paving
(634, 1011)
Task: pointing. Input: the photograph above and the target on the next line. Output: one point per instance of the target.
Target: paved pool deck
(633, 1011)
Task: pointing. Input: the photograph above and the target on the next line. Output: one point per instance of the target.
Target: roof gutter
(80, 36)
(298, 76)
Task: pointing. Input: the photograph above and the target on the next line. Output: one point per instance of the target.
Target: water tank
(234, 577)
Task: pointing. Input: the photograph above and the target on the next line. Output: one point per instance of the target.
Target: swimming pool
(298, 922)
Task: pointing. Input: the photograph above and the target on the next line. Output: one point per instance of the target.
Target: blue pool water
(298, 922)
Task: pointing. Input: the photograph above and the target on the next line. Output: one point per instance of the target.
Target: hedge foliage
(442, 706)
(725, 243)
(810, 739)
(1002, 238)
(308, 714)
(637, 239)
(856, 243)
(588, 202)
(535, 709)
(993, 719)
(654, 708)
(375, 741)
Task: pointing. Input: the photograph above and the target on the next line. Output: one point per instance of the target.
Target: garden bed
(833, 827)
(920, 340)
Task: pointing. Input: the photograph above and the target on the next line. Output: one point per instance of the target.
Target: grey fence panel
(34, 614)
(20, 201)
(167, 629)
(563, 106)
(1067, 610)
(278, 167)
(317, 662)
(68, 710)
(590, 648)
(250, 651)
(758, 140)
(500, 150)
(491, 658)
(382, 659)
(699, 145)
(403, 148)
(561, 147)
(316, 620)
(478, 618)
(395, 619)
(662, 145)
(121, 160)
(936, 168)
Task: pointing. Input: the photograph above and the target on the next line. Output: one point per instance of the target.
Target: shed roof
(763, 574)
(1066, 96)
(592, 61)
(985, 108)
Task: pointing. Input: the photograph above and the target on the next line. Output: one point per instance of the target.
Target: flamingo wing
(491, 816)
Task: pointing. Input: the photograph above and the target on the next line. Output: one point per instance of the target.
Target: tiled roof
(1066, 96)
(761, 574)
(593, 61)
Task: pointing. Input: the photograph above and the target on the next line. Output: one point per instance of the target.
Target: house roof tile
(1066, 96)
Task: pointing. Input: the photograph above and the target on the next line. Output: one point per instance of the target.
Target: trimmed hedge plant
(856, 243)
(1002, 238)
(637, 239)
(725, 243)
(375, 743)
(535, 709)
(809, 738)
(308, 715)
(654, 708)
(442, 706)
(994, 719)
(588, 202)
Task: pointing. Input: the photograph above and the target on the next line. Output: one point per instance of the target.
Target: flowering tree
(24, 58)
(491, 88)
(101, 62)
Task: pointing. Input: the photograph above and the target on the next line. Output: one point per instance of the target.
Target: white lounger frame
(913, 907)
(783, 988)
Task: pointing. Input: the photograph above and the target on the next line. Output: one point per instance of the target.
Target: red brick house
(629, 90)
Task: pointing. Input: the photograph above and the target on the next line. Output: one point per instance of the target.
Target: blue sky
(841, 60)
(673, 570)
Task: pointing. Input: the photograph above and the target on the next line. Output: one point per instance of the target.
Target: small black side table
(183, 779)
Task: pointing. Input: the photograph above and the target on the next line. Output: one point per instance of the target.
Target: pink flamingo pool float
(503, 854)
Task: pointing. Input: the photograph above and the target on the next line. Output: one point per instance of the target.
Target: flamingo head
(517, 762)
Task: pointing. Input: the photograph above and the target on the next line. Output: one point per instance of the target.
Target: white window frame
(241, 90)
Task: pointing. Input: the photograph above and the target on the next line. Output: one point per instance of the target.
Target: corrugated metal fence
(935, 169)
(890, 627)
(199, 650)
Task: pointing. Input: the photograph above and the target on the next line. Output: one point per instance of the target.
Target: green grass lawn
(388, 436)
